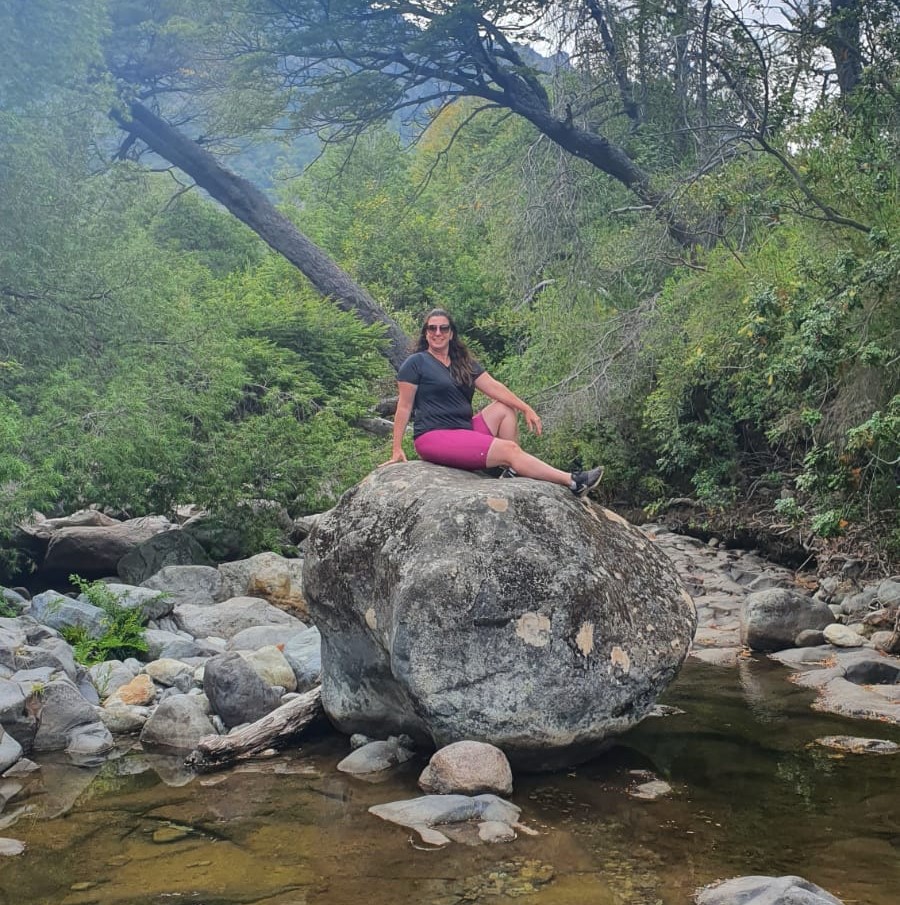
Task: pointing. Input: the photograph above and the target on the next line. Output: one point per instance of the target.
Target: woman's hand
(532, 420)
(398, 456)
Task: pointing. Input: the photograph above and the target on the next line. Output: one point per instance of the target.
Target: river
(752, 794)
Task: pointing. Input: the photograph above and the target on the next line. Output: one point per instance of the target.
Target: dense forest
(670, 225)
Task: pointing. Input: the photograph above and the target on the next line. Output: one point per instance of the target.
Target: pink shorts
(457, 448)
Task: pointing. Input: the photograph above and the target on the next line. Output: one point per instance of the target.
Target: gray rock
(195, 585)
(374, 757)
(182, 649)
(843, 636)
(651, 790)
(15, 600)
(809, 638)
(17, 716)
(172, 548)
(236, 693)
(52, 652)
(94, 551)
(771, 620)
(467, 768)
(9, 848)
(456, 607)
(888, 592)
(61, 709)
(153, 604)
(264, 635)
(169, 671)
(226, 619)
(109, 676)
(765, 891)
(423, 814)
(304, 652)
(60, 612)
(267, 575)
(178, 723)
(854, 745)
(10, 750)
(858, 605)
(90, 741)
(123, 719)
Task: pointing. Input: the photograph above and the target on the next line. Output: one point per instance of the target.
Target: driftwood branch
(274, 730)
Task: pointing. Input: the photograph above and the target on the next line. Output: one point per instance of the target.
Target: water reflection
(750, 795)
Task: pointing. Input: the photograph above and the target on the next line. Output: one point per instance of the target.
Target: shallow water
(751, 796)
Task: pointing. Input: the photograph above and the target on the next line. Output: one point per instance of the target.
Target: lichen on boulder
(453, 606)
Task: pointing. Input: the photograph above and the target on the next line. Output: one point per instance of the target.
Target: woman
(437, 383)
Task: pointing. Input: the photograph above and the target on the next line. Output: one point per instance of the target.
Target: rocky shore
(228, 645)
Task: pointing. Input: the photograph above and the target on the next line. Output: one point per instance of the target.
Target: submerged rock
(456, 607)
(495, 819)
(766, 891)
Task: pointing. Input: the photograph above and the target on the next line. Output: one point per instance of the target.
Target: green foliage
(123, 631)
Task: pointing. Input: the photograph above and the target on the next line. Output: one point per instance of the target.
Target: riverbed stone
(467, 768)
(52, 652)
(178, 723)
(810, 637)
(94, 551)
(10, 750)
(771, 620)
(17, 715)
(765, 891)
(123, 719)
(61, 709)
(195, 585)
(376, 756)
(851, 744)
(106, 677)
(271, 666)
(226, 619)
(843, 636)
(139, 692)
(267, 575)
(235, 690)
(90, 741)
(169, 671)
(456, 607)
(9, 848)
(152, 604)
(424, 813)
(59, 612)
(264, 635)
(171, 548)
(304, 652)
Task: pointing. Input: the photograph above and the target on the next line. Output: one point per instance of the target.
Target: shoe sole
(589, 487)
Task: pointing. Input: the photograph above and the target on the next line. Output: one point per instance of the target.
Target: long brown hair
(461, 360)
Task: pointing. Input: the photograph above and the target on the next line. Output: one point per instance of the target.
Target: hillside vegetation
(724, 335)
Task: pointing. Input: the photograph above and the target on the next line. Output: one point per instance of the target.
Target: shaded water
(751, 796)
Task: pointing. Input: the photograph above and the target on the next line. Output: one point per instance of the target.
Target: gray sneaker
(586, 481)
(508, 472)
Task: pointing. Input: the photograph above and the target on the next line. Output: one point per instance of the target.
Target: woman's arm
(407, 393)
(495, 390)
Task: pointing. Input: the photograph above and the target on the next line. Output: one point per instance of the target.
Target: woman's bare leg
(502, 421)
(510, 454)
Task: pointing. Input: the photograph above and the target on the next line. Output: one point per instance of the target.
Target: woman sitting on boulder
(436, 385)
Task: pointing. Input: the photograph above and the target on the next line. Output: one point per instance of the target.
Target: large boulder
(453, 607)
(92, 551)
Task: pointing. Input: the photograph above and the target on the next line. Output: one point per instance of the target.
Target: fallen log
(274, 730)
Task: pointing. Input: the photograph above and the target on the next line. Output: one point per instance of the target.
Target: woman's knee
(503, 452)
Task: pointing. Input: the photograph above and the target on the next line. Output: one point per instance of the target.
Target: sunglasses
(438, 328)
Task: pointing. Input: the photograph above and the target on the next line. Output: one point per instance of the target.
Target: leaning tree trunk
(250, 205)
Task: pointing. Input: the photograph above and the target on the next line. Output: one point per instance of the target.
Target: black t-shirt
(440, 403)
